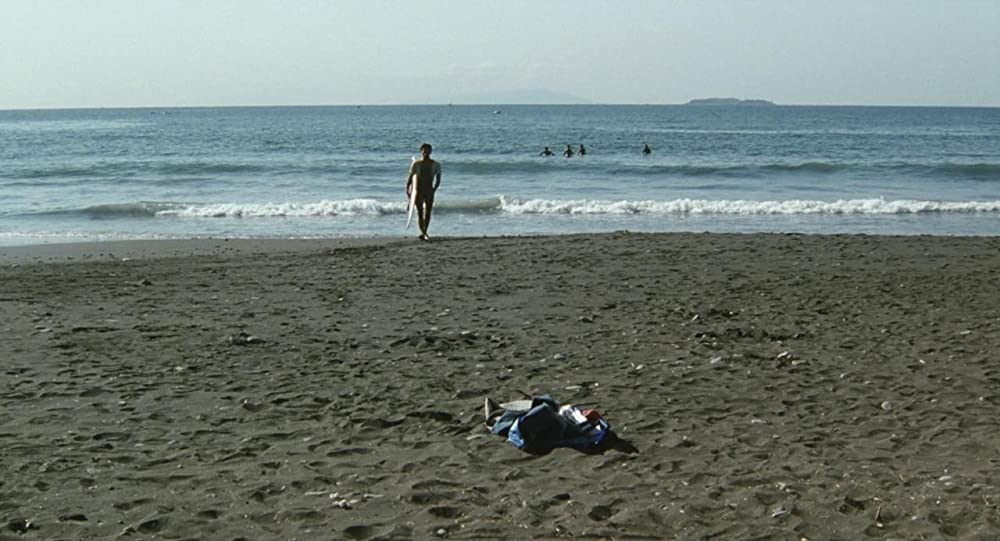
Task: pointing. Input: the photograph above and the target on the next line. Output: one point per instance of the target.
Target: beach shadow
(613, 442)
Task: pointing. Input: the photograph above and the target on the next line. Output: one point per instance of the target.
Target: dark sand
(777, 387)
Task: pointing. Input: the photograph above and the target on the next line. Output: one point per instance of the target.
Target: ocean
(318, 172)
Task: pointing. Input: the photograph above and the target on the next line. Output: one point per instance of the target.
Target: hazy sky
(95, 53)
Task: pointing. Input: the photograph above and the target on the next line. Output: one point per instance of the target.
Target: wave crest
(746, 207)
(493, 167)
(513, 206)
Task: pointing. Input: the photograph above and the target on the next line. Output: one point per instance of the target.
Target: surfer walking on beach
(424, 177)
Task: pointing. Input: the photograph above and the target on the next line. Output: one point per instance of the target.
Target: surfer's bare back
(427, 176)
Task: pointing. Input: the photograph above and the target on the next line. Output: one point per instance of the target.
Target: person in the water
(547, 152)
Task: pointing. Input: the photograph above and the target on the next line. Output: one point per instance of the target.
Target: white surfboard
(517, 405)
(412, 202)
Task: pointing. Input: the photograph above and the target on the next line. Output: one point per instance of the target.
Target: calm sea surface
(81, 175)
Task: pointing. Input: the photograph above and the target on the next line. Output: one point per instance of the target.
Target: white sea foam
(15, 238)
(515, 206)
(744, 207)
(348, 207)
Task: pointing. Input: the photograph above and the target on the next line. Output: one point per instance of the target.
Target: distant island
(729, 101)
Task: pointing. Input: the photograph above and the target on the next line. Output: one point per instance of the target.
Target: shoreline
(776, 385)
(168, 248)
(68, 252)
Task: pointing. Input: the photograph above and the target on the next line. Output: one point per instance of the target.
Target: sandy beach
(776, 386)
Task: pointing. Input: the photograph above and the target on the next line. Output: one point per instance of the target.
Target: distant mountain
(729, 101)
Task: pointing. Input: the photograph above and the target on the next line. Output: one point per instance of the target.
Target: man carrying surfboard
(424, 178)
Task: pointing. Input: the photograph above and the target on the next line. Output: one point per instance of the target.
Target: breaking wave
(509, 205)
(747, 207)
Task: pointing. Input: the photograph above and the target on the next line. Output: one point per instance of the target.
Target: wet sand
(776, 386)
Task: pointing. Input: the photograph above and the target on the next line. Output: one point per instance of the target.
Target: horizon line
(482, 104)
